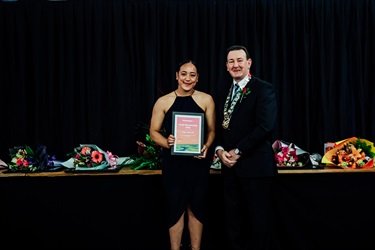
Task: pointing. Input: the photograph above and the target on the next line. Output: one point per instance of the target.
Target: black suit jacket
(250, 129)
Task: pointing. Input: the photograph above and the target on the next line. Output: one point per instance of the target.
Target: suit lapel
(238, 108)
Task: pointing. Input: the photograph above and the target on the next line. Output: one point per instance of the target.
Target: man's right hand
(226, 158)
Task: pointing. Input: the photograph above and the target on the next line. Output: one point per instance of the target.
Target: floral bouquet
(351, 153)
(3, 164)
(289, 155)
(215, 163)
(24, 158)
(148, 157)
(91, 157)
(149, 153)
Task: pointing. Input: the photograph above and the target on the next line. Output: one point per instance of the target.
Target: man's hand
(227, 158)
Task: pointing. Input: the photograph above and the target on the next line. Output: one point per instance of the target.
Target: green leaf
(142, 165)
(29, 151)
(365, 148)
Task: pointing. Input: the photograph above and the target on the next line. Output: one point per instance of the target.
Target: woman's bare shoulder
(202, 96)
(164, 102)
(167, 97)
(203, 99)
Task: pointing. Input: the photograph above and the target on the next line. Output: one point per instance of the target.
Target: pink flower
(287, 157)
(112, 159)
(97, 157)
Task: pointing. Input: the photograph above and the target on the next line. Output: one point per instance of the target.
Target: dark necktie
(235, 91)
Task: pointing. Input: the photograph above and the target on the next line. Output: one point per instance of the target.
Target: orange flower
(86, 150)
(96, 156)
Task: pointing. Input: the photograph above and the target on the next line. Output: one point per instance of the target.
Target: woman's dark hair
(186, 61)
(238, 47)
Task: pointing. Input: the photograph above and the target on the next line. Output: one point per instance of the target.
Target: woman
(185, 178)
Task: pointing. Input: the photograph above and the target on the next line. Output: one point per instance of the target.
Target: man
(246, 120)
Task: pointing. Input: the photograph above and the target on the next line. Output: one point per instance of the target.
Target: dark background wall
(89, 71)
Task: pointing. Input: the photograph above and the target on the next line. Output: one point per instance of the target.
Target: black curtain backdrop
(80, 71)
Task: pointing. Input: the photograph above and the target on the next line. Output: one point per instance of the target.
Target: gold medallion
(225, 123)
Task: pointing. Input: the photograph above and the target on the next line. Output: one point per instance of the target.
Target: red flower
(22, 162)
(287, 156)
(141, 147)
(19, 162)
(244, 93)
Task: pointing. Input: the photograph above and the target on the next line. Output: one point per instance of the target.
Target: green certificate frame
(188, 129)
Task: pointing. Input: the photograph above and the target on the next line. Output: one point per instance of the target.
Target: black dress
(185, 178)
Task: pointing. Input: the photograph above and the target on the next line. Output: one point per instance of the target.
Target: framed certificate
(188, 129)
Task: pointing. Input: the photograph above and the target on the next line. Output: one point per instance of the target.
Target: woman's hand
(204, 152)
(170, 140)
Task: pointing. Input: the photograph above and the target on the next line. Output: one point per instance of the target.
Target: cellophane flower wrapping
(351, 153)
(216, 163)
(90, 157)
(3, 164)
(26, 158)
(289, 155)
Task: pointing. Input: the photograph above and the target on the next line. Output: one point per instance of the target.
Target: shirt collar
(243, 82)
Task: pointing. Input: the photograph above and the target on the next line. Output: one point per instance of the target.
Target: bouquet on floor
(91, 157)
(28, 159)
(289, 155)
(354, 153)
